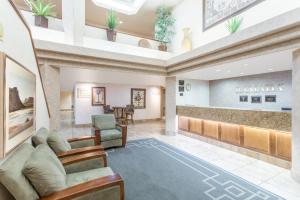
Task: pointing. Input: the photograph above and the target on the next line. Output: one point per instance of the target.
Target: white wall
(118, 85)
(17, 44)
(223, 92)
(189, 14)
(197, 96)
(70, 76)
(116, 95)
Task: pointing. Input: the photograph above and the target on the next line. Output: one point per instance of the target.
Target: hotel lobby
(149, 99)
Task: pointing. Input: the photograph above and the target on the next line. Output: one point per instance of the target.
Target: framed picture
(216, 11)
(270, 98)
(17, 104)
(256, 99)
(138, 98)
(181, 88)
(243, 98)
(98, 96)
(181, 82)
(83, 93)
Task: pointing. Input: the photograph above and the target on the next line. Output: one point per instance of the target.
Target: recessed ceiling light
(121, 22)
(241, 73)
(270, 69)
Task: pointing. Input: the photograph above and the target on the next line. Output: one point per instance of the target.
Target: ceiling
(140, 24)
(273, 62)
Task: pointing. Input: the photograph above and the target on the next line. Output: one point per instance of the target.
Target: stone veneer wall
(51, 81)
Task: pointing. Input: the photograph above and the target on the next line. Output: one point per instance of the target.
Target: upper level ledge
(283, 31)
(113, 51)
(276, 34)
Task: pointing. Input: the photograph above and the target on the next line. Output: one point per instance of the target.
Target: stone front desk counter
(267, 132)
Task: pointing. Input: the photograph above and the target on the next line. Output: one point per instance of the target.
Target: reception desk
(267, 132)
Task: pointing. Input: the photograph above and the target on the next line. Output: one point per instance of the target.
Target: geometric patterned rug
(153, 170)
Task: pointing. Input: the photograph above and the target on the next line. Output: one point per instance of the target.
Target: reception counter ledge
(266, 132)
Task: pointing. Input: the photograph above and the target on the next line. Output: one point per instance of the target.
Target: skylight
(128, 7)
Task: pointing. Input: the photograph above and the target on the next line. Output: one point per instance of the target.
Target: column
(51, 82)
(296, 116)
(73, 17)
(171, 120)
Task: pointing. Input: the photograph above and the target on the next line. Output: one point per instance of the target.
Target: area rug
(153, 170)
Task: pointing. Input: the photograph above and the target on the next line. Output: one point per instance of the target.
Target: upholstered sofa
(108, 132)
(35, 173)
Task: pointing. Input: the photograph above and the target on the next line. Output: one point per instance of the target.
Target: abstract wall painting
(216, 11)
(138, 98)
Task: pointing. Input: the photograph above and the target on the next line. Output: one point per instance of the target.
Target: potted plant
(164, 27)
(41, 11)
(233, 24)
(112, 23)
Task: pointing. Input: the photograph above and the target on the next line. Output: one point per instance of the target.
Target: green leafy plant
(40, 8)
(233, 24)
(164, 25)
(112, 21)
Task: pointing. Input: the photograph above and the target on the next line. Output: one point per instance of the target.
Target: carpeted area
(153, 170)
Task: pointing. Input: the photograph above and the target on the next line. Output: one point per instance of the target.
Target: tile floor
(275, 179)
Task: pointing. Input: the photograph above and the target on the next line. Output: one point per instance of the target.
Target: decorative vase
(162, 47)
(186, 42)
(41, 21)
(111, 35)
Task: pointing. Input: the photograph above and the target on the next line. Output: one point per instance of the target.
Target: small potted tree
(112, 23)
(164, 27)
(234, 24)
(41, 11)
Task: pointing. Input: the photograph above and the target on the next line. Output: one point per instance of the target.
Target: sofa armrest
(85, 141)
(97, 133)
(89, 187)
(124, 133)
(81, 138)
(78, 151)
(84, 157)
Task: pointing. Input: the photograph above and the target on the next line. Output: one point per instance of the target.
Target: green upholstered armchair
(38, 174)
(65, 149)
(108, 132)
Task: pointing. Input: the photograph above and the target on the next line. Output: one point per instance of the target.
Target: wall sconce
(1, 32)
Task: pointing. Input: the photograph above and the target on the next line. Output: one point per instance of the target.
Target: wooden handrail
(86, 156)
(89, 187)
(78, 151)
(33, 46)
